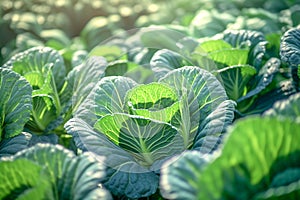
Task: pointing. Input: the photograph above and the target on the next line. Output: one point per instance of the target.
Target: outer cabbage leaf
(46, 138)
(235, 79)
(71, 177)
(97, 26)
(83, 78)
(124, 175)
(254, 40)
(264, 102)
(160, 37)
(212, 129)
(243, 82)
(107, 97)
(179, 175)
(289, 108)
(137, 72)
(250, 163)
(205, 95)
(78, 58)
(165, 60)
(15, 103)
(235, 47)
(24, 179)
(25, 41)
(55, 38)
(214, 45)
(109, 52)
(230, 57)
(79, 83)
(37, 59)
(290, 51)
(11, 146)
(263, 78)
(238, 65)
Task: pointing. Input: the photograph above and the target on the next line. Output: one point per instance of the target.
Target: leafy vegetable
(265, 173)
(15, 103)
(23, 179)
(237, 61)
(65, 175)
(214, 22)
(146, 124)
(125, 82)
(290, 51)
(288, 108)
(44, 69)
(12, 145)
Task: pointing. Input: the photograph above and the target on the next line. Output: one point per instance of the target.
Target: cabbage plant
(15, 107)
(48, 171)
(289, 53)
(266, 173)
(139, 126)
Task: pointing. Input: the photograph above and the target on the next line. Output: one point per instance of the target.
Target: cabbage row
(148, 100)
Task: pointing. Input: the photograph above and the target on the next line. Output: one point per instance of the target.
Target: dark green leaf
(165, 60)
(264, 77)
(15, 103)
(290, 47)
(289, 108)
(11, 146)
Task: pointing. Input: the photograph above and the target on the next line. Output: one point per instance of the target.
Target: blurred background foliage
(71, 25)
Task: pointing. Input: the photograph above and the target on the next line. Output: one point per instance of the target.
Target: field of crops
(149, 99)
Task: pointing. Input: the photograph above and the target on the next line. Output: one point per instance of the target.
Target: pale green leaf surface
(213, 45)
(250, 162)
(230, 57)
(155, 101)
(23, 179)
(147, 140)
(71, 177)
